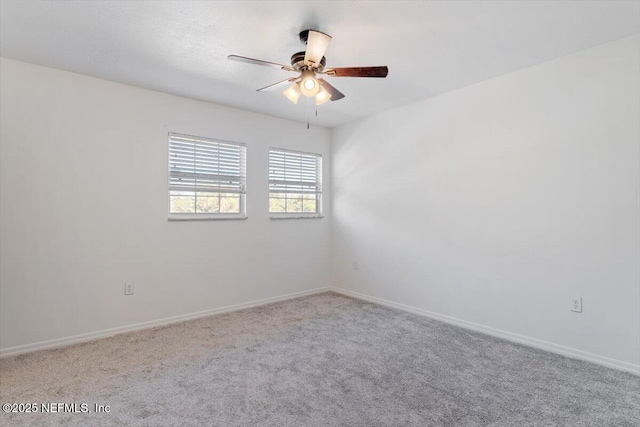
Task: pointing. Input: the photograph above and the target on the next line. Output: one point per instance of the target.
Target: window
(206, 178)
(295, 184)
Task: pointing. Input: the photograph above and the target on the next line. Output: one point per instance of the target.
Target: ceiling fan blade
(259, 62)
(335, 93)
(317, 44)
(357, 72)
(277, 85)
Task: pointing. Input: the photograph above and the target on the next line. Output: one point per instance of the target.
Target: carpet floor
(322, 360)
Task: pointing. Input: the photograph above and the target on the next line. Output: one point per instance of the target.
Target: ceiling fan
(309, 64)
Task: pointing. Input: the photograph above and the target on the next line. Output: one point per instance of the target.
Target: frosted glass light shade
(293, 93)
(308, 83)
(322, 96)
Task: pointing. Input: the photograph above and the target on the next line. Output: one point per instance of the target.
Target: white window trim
(277, 217)
(209, 216)
(242, 215)
(298, 215)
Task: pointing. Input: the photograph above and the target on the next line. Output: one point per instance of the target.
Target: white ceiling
(181, 47)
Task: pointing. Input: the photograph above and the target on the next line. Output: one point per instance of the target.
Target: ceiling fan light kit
(310, 63)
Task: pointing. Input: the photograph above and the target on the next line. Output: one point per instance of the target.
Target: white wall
(494, 203)
(83, 207)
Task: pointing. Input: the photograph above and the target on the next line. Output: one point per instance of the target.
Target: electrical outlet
(129, 287)
(355, 265)
(575, 304)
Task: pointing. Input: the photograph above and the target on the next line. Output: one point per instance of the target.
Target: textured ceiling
(180, 47)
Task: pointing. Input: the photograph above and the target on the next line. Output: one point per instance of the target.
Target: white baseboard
(75, 339)
(533, 342)
(510, 336)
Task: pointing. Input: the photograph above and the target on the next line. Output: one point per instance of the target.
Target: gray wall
(495, 203)
(83, 178)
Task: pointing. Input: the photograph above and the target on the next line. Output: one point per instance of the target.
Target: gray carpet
(323, 360)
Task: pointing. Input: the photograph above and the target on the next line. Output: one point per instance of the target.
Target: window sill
(297, 217)
(229, 218)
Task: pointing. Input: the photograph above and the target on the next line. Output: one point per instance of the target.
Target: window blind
(294, 172)
(206, 165)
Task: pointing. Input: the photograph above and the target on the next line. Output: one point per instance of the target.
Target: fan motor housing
(297, 62)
